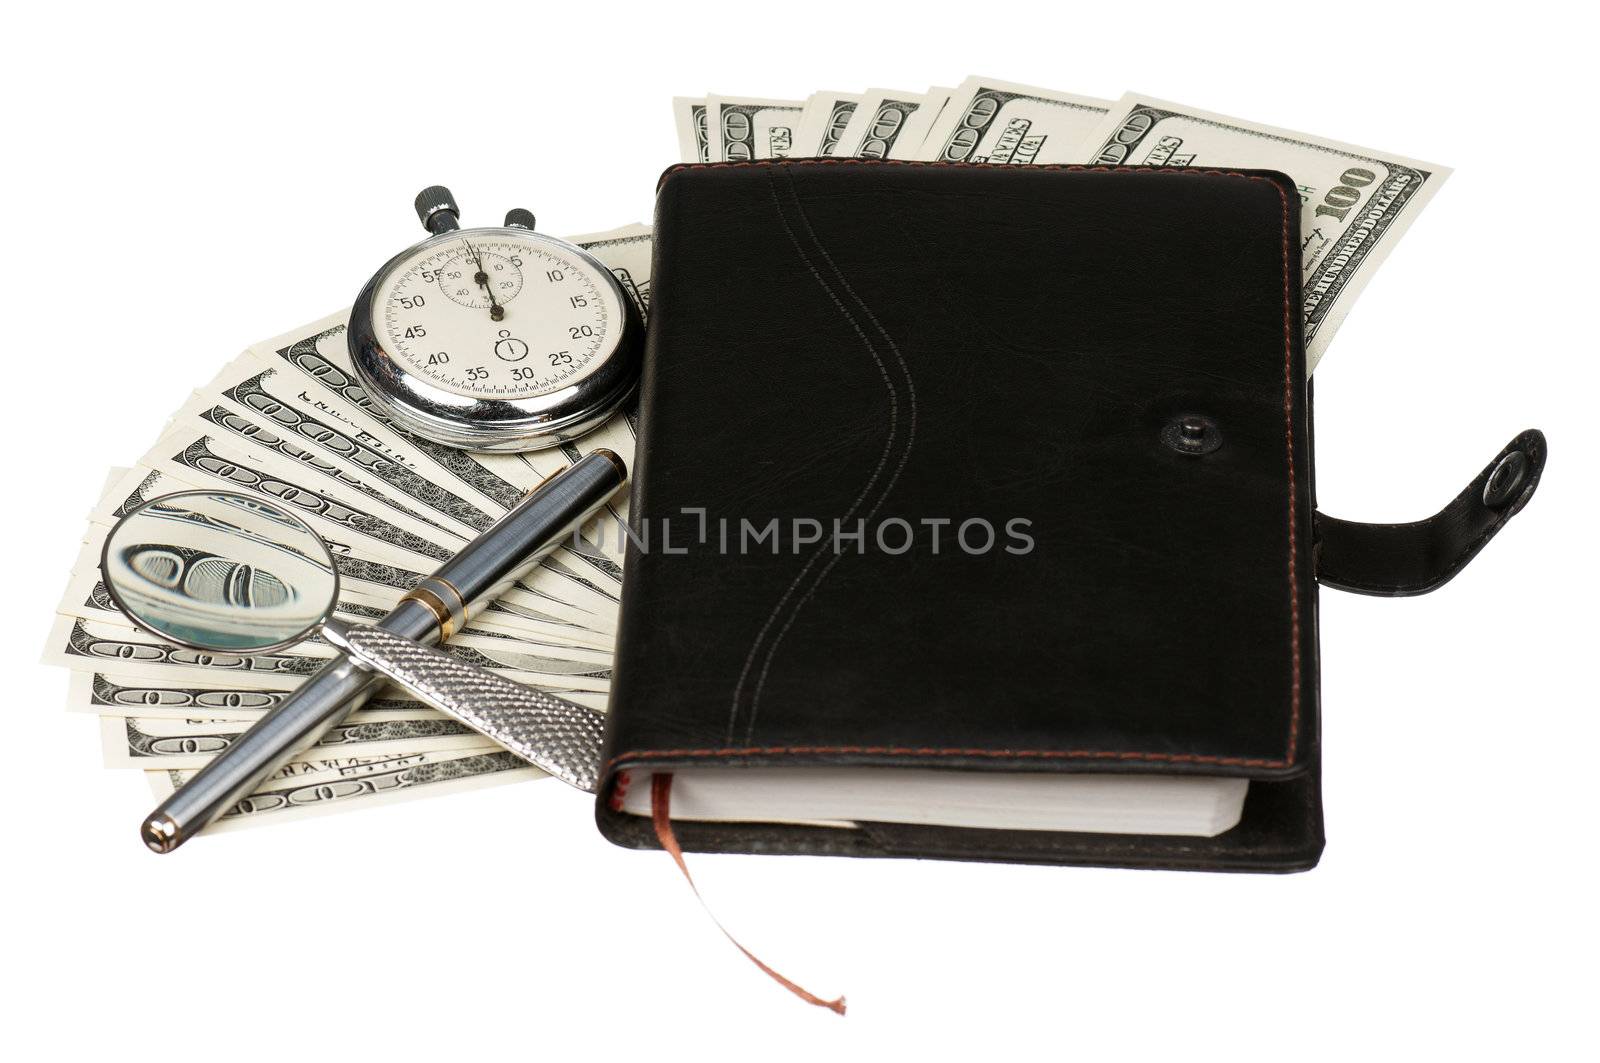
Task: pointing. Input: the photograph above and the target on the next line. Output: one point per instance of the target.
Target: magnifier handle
(560, 736)
(432, 611)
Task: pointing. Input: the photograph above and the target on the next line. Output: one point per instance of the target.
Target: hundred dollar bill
(316, 358)
(823, 121)
(366, 786)
(1355, 203)
(226, 415)
(87, 598)
(361, 580)
(98, 646)
(940, 97)
(257, 415)
(261, 410)
(740, 128)
(152, 742)
(213, 461)
(889, 124)
(689, 116)
(988, 120)
(309, 772)
(204, 458)
(328, 769)
(258, 403)
(319, 771)
(627, 252)
(401, 501)
(109, 694)
(484, 648)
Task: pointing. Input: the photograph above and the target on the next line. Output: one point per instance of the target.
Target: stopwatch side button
(437, 209)
(519, 218)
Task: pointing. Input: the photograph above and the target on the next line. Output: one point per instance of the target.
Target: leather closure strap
(1394, 560)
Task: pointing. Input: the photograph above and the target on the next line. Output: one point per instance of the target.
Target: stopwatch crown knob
(437, 209)
(519, 218)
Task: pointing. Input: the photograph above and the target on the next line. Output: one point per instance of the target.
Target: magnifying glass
(219, 571)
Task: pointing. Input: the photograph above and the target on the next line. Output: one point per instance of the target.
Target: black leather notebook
(973, 518)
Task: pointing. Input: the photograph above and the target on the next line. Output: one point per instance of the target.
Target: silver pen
(430, 612)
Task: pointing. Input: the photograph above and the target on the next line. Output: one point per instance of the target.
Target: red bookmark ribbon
(660, 816)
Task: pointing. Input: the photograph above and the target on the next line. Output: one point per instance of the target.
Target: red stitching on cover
(1071, 167)
(939, 751)
(620, 789)
(1288, 438)
(1295, 672)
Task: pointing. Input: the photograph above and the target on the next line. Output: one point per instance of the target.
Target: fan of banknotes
(1356, 203)
(287, 419)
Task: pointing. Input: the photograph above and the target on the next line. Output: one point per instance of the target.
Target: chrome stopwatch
(494, 338)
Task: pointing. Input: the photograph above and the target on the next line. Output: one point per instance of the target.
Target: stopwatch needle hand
(496, 311)
(480, 276)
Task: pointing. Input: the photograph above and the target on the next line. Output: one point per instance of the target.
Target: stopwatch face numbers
(494, 339)
(497, 316)
(474, 276)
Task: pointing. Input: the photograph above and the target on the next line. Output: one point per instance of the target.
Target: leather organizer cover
(1111, 354)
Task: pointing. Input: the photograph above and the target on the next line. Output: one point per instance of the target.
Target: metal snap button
(1191, 433)
(1506, 480)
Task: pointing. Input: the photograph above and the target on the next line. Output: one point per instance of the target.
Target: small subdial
(480, 279)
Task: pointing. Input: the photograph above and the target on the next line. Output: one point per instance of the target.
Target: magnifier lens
(220, 571)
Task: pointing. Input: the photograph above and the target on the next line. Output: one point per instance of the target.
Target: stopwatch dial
(497, 316)
(478, 279)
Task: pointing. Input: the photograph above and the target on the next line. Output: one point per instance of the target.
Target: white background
(180, 183)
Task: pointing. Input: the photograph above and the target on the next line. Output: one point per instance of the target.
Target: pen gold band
(424, 596)
(460, 608)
